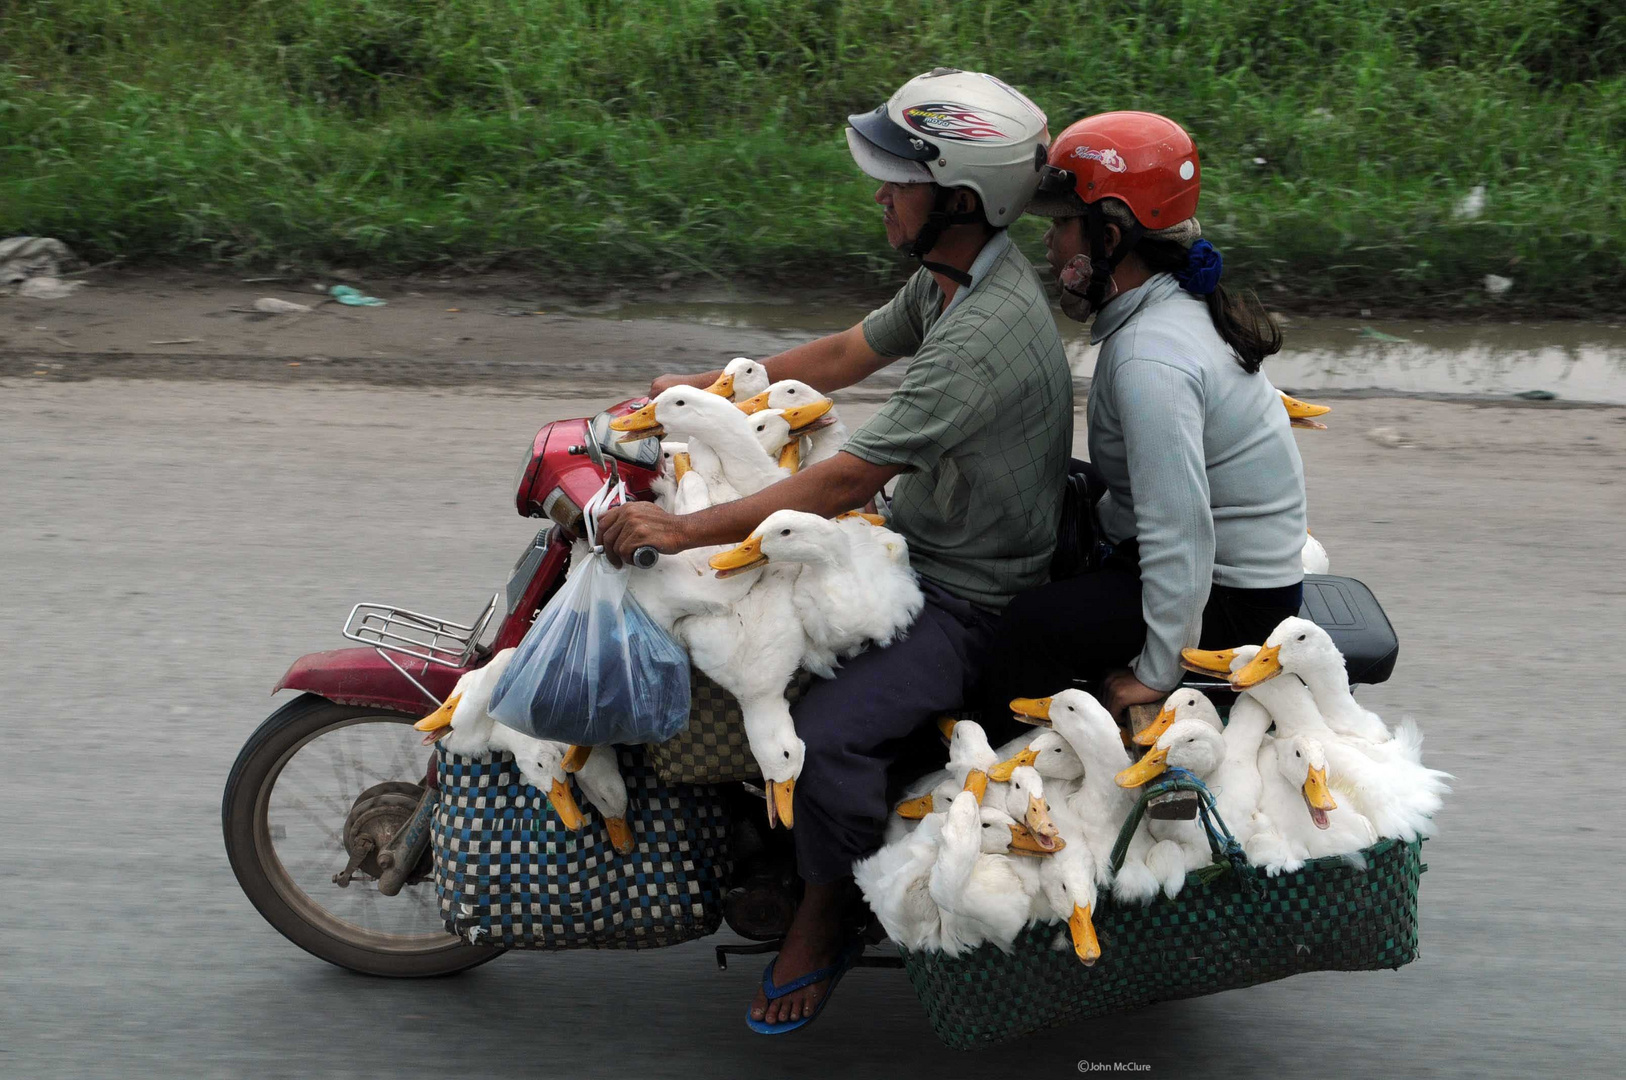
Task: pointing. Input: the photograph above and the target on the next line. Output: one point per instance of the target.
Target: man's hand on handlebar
(625, 529)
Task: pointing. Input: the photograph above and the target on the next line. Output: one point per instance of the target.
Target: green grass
(616, 140)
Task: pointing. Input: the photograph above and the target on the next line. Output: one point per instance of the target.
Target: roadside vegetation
(623, 140)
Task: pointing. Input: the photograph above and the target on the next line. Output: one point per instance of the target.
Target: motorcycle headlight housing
(564, 513)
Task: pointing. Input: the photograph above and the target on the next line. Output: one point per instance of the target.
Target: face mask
(1081, 295)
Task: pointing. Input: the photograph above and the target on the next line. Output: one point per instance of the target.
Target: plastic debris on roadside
(270, 305)
(594, 668)
(353, 297)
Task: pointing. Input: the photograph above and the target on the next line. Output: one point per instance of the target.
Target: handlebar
(645, 557)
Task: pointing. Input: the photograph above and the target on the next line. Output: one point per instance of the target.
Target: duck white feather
(979, 892)
(1098, 803)
(1297, 819)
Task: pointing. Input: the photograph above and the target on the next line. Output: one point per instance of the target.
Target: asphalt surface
(168, 545)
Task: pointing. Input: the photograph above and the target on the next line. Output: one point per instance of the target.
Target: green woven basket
(1231, 926)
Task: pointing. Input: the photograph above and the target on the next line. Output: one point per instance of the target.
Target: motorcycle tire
(260, 872)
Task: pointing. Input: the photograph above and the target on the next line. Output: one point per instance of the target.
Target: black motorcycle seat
(1346, 609)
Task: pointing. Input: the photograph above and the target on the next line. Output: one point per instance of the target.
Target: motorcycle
(326, 810)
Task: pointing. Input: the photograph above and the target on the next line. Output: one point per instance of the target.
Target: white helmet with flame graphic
(959, 129)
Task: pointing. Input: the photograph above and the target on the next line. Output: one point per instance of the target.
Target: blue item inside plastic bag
(595, 668)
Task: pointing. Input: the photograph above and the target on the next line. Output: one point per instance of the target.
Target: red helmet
(1146, 160)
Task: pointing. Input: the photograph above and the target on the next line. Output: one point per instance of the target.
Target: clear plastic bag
(595, 668)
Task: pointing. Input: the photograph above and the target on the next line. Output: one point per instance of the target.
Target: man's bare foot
(813, 941)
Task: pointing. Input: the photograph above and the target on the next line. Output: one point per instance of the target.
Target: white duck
(1099, 805)
(848, 591)
(600, 778)
(1384, 782)
(1199, 748)
(467, 729)
(1046, 752)
(752, 650)
(721, 444)
(824, 438)
(896, 883)
(742, 378)
(1067, 887)
(1298, 817)
(980, 894)
(970, 759)
(1300, 647)
(1313, 556)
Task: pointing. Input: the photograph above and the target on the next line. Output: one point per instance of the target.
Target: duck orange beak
(945, 726)
(805, 418)
(1267, 665)
(753, 404)
(564, 804)
(790, 456)
(1023, 842)
(638, 425)
(575, 758)
(740, 559)
(1303, 414)
(620, 834)
(1001, 773)
(914, 809)
(1082, 930)
(781, 801)
(1148, 735)
(1208, 663)
(723, 387)
(873, 519)
(681, 467)
(976, 782)
(439, 722)
(1318, 798)
(1155, 761)
(1044, 830)
(1032, 710)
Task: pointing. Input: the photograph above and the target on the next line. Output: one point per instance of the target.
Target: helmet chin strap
(938, 220)
(1101, 264)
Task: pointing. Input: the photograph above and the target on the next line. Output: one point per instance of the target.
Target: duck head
(789, 536)
(1188, 744)
(1072, 893)
(741, 377)
(438, 724)
(773, 434)
(1303, 761)
(1183, 704)
(791, 394)
(684, 411)
(1025, 802)
(1296, 645)
(991, 830)
(1079, 719)
(781, 764)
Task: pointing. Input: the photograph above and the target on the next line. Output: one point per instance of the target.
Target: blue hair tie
(1203, 268)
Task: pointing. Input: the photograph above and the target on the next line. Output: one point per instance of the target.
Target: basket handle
(1220, 840)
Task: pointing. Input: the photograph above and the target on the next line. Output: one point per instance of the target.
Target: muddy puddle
(1579, 362)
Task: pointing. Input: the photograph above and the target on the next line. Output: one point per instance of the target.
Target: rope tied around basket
(1220, 840)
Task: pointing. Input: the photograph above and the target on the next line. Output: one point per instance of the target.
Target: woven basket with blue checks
(508, 872)
(1231, 926)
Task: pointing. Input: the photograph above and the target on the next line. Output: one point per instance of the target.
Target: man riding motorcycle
(978, 437)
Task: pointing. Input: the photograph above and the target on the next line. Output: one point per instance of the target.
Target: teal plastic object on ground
(344, 294)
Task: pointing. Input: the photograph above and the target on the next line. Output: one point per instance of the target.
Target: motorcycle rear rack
(422, 637)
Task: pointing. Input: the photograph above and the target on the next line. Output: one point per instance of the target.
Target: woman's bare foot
(813, 941)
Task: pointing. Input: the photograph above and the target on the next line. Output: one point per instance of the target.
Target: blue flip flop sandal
(832, 973)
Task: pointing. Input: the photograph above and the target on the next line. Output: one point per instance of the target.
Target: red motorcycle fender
(359, 676)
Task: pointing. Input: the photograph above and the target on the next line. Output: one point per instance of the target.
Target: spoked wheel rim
(299, 819)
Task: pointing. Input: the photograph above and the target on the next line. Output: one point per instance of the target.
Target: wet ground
(171, 542)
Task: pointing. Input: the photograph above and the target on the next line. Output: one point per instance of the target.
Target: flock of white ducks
(1299, 771)
(801, 591)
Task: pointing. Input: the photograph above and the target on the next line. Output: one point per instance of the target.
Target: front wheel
(315, 788)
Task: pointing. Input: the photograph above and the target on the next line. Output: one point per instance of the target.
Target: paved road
(167, 546)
